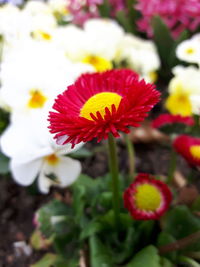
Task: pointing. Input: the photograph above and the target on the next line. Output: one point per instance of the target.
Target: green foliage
(146, 257)
(180, 222)
(163, 239)
(99, 254)
(54, 211)
(91, 218)
(166, 45)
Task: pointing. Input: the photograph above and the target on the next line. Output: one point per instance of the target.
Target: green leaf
(124, 20)
(91, 229)
(191, 262)
(180, 222)
(38, 241)
(165, 238)
(99, 254)
(47, 261)
(164, 41)
(4, 164)
(166, 263)
(146, 257)
(54, 209)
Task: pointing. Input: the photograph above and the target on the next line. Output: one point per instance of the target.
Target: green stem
(131, 155)
(113, 163)
(172, 166)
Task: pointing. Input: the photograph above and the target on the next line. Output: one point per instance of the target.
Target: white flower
(184, 91)
(96, 44)
(188, 78)
(141, 55)
(33, 153)
(189, 51)
(33, 74)
(59, 8)
(10, 22)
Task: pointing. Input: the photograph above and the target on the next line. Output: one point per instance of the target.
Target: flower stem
(131, 154)
(172, 166)
(113, 163)
(181, 243)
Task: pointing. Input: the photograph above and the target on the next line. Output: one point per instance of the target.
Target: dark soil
(17, 205)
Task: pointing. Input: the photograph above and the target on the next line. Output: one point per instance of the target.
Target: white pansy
(96, 44)
(59, 8)
(140, 55)
(35, 8)
(103, 36)
(189, 51)
(195, 100)
(33, 153)
(186, 83)
(186, 77)
(33, 74)
(10, 22)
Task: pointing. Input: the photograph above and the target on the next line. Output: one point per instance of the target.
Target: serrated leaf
(47, 260)
(91, 229)
(146, 257)
(54, 208)
(99, 254)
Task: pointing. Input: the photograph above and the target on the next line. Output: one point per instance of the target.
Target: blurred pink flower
(84, 10)
(177, 14)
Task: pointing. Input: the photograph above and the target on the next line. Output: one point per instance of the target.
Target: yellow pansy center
(52, 159)
(195, 151)
(37, 99)
(147, 197)
(179, 103)
(190, 51)
(153, 76)
(41, 35)
(99, 63)
(99, 102)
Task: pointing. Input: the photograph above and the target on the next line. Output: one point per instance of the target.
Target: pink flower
(84, 10)
(177, 14)
(168, 119)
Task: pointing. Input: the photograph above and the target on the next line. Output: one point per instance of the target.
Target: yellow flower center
(195, 151)
(52, 159)
(99, 102)
(153, 76)
(179, 103)
(190, 51)
(148, 197)
(41, 35)
(37, 99)
(99, 63)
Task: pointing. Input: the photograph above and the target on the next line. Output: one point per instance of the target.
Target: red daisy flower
(147, 198)
(101, 103)
(189, 148)
(168, 119)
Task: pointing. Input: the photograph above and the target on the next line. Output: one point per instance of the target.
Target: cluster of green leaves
(88, 224)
